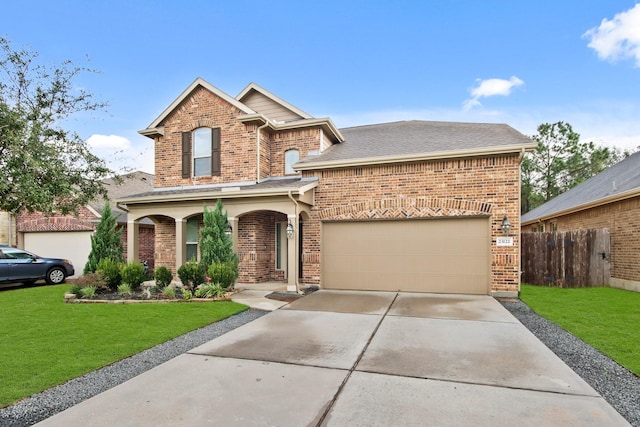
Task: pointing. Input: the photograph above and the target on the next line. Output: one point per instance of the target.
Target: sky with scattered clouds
(358, 62)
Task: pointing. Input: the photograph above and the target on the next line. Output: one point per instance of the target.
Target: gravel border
(616, 384)
(49, 402)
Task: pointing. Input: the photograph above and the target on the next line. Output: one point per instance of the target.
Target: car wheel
(55, 276)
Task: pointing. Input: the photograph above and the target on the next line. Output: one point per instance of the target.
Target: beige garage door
(433, 255)
(72, 245)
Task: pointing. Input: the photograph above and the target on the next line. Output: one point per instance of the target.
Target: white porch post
(292, 255)
(132, 240)
(181, 232)
(233, 222)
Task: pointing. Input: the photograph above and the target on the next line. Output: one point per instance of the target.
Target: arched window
(201, 152)
(290, 157)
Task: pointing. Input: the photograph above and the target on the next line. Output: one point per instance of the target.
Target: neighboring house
(68, 236)
(412, 206)
(7, 229)
(610, 200)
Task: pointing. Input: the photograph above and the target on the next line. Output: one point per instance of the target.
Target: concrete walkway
(359, 359)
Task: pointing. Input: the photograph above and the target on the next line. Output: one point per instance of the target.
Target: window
(281, 245)
(201, 152)
(192, 238)
(290, 157)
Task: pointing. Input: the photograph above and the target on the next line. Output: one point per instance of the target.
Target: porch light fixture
(228, 230)
(506, 225)
(289, 230)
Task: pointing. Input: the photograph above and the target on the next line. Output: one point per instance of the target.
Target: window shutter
(186, 154)
(215, 151)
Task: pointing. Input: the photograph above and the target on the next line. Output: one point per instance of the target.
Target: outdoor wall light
(228, 230)
(289, 230)
(506, 225)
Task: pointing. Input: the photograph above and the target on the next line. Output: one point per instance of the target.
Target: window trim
(287, 164)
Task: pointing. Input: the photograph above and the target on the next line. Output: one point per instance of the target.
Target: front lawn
(45, 342)
(606, 318)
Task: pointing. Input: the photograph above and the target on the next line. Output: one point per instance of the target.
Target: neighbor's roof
(417, 140)
(132, 183)
(618, 182)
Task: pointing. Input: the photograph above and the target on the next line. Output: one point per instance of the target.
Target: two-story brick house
(413, 206)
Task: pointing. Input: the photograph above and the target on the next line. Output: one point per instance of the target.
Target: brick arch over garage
(409, 207)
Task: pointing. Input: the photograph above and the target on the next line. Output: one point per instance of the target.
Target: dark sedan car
(17, 265)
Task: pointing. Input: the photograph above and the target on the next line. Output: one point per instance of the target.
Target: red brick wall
(146, 243)
(165, 243)
(204, 109)
(303, 140)
(474, 186)
(623, 221)
(256, 247)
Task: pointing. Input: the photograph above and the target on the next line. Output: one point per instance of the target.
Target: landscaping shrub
(124, 289)
(96, 279)
(163, 277)
(223, 273)
(210, 290)
(191, 274)
(106, 242)
(133, 274)
(76, 290)
(88, 291)
(112, 272)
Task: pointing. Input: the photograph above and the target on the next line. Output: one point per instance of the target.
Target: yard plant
(605, 318)
(46, 342)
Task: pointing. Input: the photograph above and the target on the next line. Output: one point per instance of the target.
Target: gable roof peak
(198, 82)
(253, 87)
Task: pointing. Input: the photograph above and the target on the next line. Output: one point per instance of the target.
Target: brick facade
(622, 218)
(445, 188)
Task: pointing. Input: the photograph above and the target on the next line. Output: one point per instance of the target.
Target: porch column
(133, 236)
(181, 232)
(233, 222)
(292, 255)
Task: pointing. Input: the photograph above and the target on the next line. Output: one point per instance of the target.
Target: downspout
(296, 262)
(258, 150)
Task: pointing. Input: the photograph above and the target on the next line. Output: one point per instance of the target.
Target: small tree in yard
(215, 245)
(106, 242)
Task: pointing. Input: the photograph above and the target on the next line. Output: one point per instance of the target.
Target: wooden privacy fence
(567, 259)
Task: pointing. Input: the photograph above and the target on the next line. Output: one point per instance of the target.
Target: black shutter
(215, 151)
(186, 154)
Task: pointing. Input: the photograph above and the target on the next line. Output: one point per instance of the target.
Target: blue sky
(517, 62)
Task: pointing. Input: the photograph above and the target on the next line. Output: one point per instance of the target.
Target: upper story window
(201, 152)
(290, 157)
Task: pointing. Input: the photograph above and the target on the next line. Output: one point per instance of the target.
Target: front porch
(258, 225)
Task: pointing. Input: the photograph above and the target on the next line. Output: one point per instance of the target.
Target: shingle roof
(134, 182)
(620, 178)
(274, 184)
(418, 138)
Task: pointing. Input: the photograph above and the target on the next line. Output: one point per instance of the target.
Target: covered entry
(449, 255)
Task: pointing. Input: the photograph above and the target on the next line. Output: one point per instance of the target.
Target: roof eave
(274, 98)
(219, 195)
(438, 155)
(592, 204)
(152, 132)
(325, 123)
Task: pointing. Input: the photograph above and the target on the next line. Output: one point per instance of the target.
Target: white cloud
(121, 155)
(618, 38)
(490, 87)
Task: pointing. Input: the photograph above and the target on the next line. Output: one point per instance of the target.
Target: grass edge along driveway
(45, 342)
(605, 318)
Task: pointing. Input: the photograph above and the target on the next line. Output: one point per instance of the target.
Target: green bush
(169, 293)
(191, 274)
(88, 291)
(124, 289)
(76, 290)
(223, 273)
(96, 279)
(133, 274)
(163, 277)
(112, 272)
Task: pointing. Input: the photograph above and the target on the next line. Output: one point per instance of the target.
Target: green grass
(45, 342)
(606, 318)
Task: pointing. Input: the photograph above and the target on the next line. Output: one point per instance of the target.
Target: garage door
(72, 245)
(433, 255)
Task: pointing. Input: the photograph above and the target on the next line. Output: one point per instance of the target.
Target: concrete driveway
(339, 358)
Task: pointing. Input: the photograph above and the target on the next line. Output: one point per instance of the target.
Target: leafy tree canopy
(560, 161)
(44, 167)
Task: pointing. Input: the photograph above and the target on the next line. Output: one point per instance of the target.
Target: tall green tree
(560, 161)
(106, 242)
(215, 245)
(44, 166)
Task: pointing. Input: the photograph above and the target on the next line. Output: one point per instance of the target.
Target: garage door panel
(439, 255)
(72, 245)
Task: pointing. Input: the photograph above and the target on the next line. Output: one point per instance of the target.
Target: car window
(17, 254)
